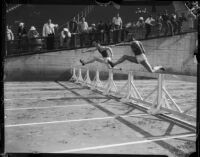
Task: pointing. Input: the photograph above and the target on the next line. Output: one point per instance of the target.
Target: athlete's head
(96, 44)
(131, 38)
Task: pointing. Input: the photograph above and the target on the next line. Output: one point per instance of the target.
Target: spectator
(117, 23)
(9, 39)
(140, 25)
(32, 33)
(174, 23)
(49, 33)
(167, 23)
(34, 41)
(100, 31)
(22, 36)
(65, 36)
(148, 24)
(83, 30)
(108, 29)
(92, 33)
(180, 21)
(191, 18)
(73, 28)
(159, 21)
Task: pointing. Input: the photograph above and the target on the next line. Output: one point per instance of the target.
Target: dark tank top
(104, 53)
(136, 48)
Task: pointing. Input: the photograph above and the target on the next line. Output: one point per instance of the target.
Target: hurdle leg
(111, 84)
(74, 77)
(80, 78)
(96, 82)
(87, 80)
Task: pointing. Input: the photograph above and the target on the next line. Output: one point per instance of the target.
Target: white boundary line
(33, 92)
(74, 120)
(34, 87)
(36, 98)
(46, 98)
(46, 107)
(124, 144)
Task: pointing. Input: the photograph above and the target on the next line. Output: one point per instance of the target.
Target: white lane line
(34, 87)
(33, 92)
(35, 108)
(125, 144)
(46, 98)
(32, 98)
(74, 120)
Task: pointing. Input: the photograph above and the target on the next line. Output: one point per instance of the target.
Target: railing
(163, 103)
(38, 45)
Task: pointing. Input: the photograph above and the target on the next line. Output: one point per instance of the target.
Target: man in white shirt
(83, 30)
(9, 38)
(148, 24)
(49, 32)
(117, 23)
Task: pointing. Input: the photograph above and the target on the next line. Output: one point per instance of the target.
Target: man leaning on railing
(65, 37)
(148, 25)
(35, 43)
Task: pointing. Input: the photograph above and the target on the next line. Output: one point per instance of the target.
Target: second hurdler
(138, 57)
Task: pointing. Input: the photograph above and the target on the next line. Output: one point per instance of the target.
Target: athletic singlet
(137, 48)
(104, 53)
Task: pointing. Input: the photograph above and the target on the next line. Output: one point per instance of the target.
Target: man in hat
(32, 33)
(140, 23)
(65, 36)
(32, 38)
(138, 57)
(106, 53)
(148, 24)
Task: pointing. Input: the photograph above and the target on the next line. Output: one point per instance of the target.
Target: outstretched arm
(89, 50)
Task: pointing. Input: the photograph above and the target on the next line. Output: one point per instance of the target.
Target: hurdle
(163, 103)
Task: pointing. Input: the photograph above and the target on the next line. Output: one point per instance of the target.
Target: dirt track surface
(64, 117)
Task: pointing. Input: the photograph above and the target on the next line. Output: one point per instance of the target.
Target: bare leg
(95, 59)
(149, 68)
(124, 58)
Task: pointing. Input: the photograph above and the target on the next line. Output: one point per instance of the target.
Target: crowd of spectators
(113, 31)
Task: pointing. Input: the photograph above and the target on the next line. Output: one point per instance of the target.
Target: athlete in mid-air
(138, 57)
(106, 53)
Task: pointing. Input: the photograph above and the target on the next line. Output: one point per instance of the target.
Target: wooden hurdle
(160, 103)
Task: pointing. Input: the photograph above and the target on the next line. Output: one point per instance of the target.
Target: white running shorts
(141, 58)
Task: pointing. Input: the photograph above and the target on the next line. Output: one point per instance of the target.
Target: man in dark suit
(73, 26)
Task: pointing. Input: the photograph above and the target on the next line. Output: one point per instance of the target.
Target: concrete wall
(169, 52)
